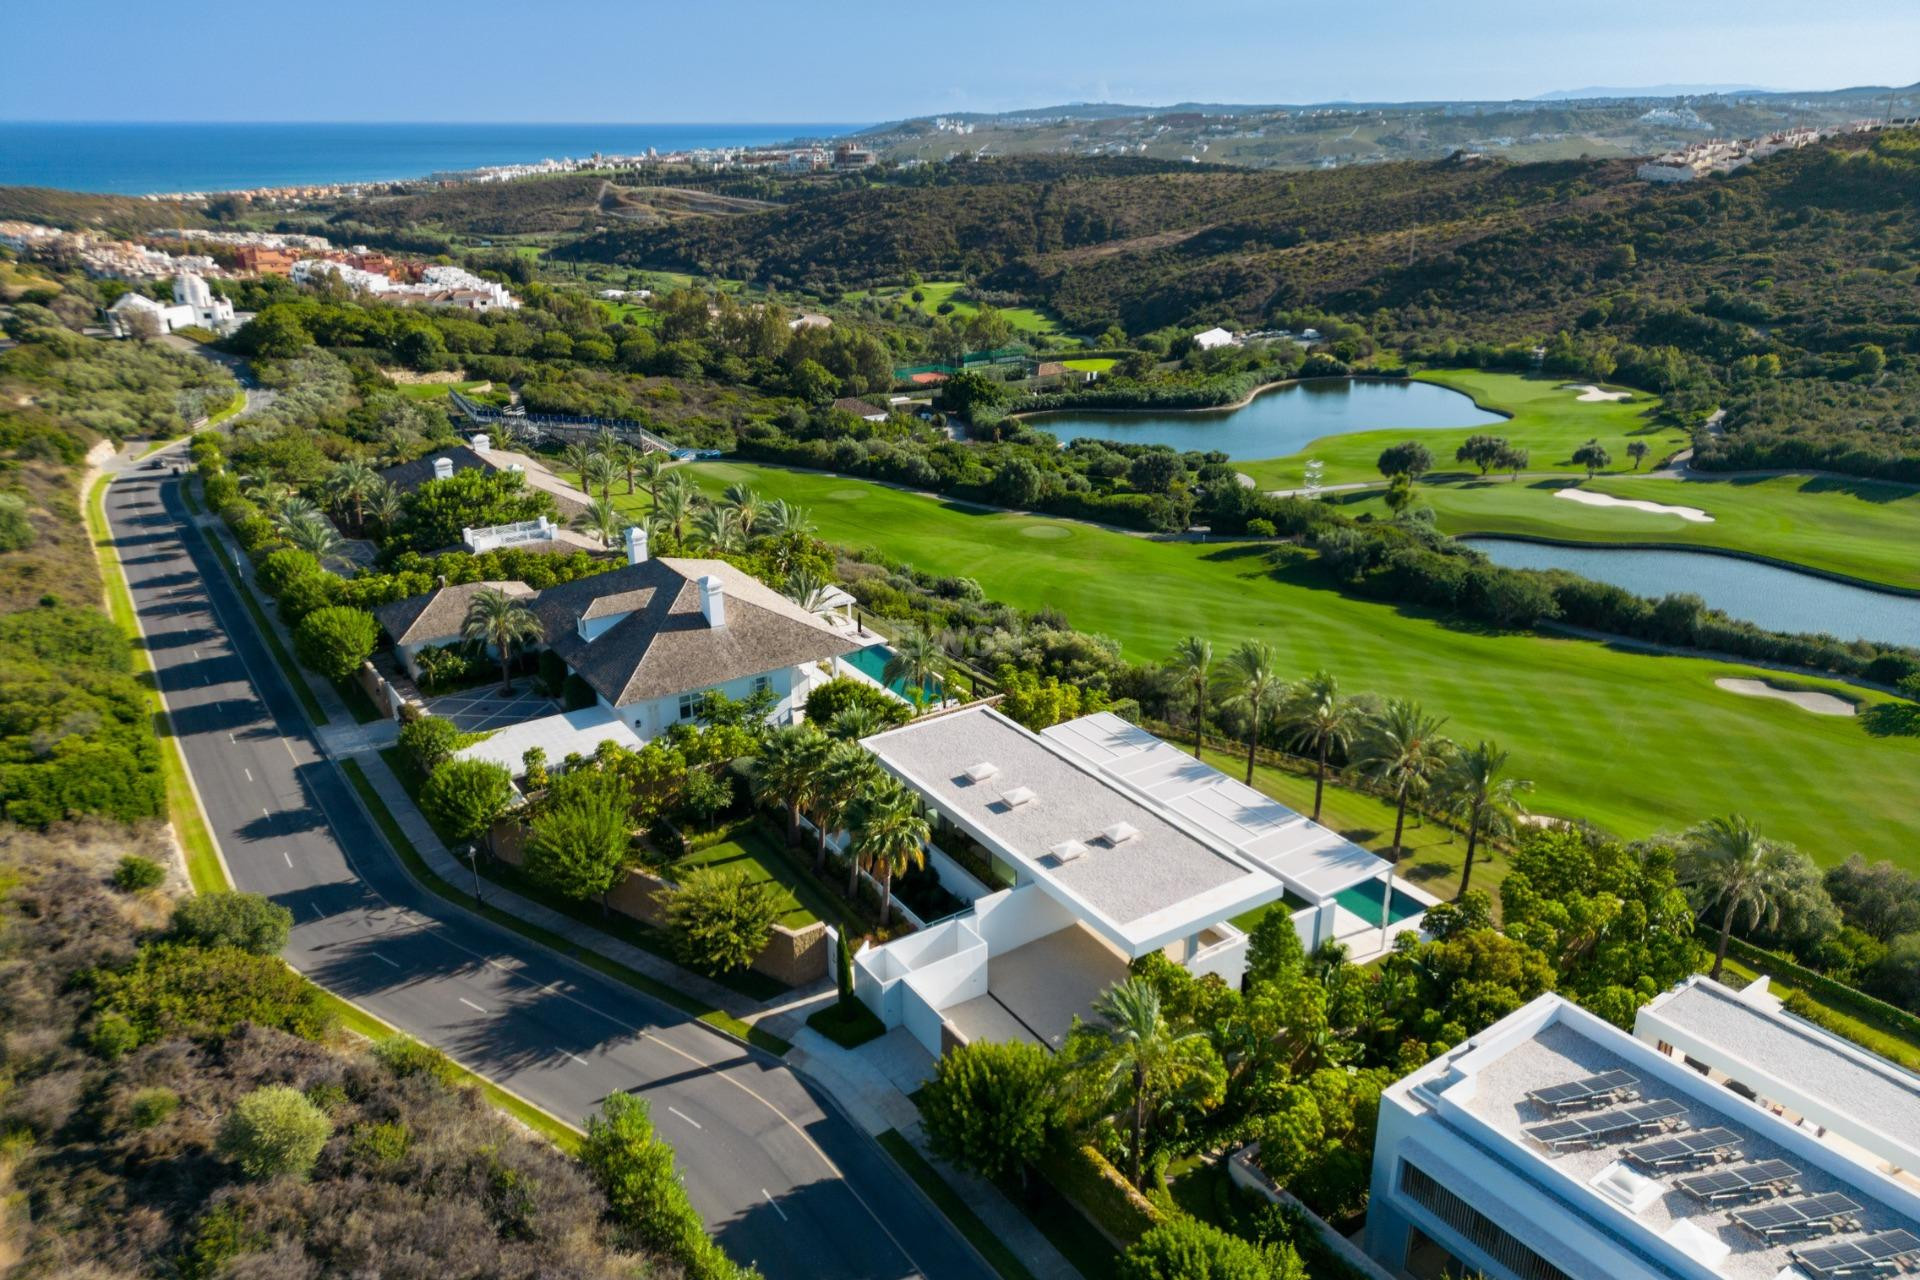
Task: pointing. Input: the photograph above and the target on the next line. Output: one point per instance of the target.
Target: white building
(439, 286)
(1208, 339)
(1554, 1146)
(194, 304)
(1104, 844)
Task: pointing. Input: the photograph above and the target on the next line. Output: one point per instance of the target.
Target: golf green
(1634, 742)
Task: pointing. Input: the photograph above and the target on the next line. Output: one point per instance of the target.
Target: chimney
(482, 443)
(713, 601)
(636, 544)
(443, 468)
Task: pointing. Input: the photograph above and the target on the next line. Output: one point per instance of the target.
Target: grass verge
(417, 866)
(847, 1023)
(956, 1211)
(204, 870)
(296, 678)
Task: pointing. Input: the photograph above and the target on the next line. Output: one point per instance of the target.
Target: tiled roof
(439, 613)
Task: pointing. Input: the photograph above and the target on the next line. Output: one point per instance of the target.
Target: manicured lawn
(1636, 743)
(750, 850)
(436, 390)
(1546, 419)
(1092, 364)
(1026, 321)
(1858, 528)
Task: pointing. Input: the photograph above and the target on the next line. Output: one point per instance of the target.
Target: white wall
(954, 878)
(651, 718)
(1227, 959)
(1014, 917)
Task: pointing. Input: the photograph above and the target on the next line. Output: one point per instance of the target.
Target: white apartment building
(194, 303)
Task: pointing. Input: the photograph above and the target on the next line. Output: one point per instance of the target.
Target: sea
(144, 159)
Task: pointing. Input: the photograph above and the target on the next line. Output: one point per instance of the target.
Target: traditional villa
(1554, 1146)
(194, 303)
(480, 455)
(1086, 847)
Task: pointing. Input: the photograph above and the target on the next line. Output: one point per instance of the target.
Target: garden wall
(1245, 1173)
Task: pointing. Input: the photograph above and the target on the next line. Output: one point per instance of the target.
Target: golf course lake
(1766, 595)
(1282, 420)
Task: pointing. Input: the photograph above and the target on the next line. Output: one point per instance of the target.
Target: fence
(536, 427)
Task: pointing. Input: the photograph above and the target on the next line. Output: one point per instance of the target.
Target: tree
(1399, 495)
(1251, 683)
(1731, 867)
(1593, 456)
(223, 919)
(428, 741)
(350, 484)
(1482, 451)
(464, 798)
(1637, 450)
(1320, 721)
(967, 391)
(1186, 1248)
(273, 1131)
(438, 510)
(599, 472)
(1409, 458)
(787, 769)
(1145, 1056)
(916, 662)
(500, 621)
(603, 520)
(992, 1107)
(311, 532)
(1475, 785)
(336, 639)
(134, 873)
(887, 832)
(1193, 661)
(1404, 750)
(579, 843)
(847, 771)
(1514, 461)
(1018, 483)
(721, 919)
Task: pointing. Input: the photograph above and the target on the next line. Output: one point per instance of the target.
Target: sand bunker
(1821, 704)
(1590, 392)
(1693, 514)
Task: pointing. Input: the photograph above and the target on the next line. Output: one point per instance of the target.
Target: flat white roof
(1164, 882)
(559, 736)
(1314, 861)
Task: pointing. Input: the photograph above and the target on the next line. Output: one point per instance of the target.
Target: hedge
(1837, 994)
(1102, 1192)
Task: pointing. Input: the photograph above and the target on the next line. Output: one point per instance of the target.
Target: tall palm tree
(1144, 1051)
(855, 721)
(918, 662)
(1476, 784)
(808, 590)
(648, 467)
(745, 504)
(783, 519)
(350, 484)
(1733, 867)
(626, 458)
(673, 506)
(887, 832)
(1193, 659)
(1251, 682)
(1318, 720)
(1404, 750)
(267, 493)
(310, 532)
(501, 621)
(602, 519)
(847, 770)
(384, 505)
(719, 528)
(599, 472)
(787, 769)
(575, 457)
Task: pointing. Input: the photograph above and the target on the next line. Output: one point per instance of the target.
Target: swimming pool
(1363, 900)
(872, 663)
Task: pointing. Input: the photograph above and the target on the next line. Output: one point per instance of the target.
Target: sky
(867, 61)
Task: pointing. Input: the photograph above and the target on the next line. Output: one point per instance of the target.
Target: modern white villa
(1102, 844)
(1725, 1140)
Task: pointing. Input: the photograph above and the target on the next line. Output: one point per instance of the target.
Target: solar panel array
(1592, 1130)
(1592, 1091)
(1695, 1146)
(1831, 1213)
(1869, 1255)
(1741, 1181)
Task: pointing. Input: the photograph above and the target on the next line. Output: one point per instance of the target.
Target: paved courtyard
(474, 710)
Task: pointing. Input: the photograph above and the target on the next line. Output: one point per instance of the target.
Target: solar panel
(1830, 1212)
(1697, 1146)
(1590, 1130)
(1865, 1256)
(1742, 1181)
(1592, 1091)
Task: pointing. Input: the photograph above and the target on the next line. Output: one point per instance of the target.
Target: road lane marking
(383, 959)
(244, 768)
(689, 1119)
(471, 1005)
(287, 856)
(583, 1062)
(289, 746)
(775, 1203)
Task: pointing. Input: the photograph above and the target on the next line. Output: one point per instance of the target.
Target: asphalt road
(782, 1178)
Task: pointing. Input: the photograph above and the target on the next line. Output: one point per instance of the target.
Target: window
(1484, 1233)
(762, 683)
(690, 703)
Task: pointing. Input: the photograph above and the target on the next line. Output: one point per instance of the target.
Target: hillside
(572, 203)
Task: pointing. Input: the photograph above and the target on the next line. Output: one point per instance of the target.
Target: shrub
(634, 1168)
(112, 1036)
(202, 993)
(135, 873)
(721, 919)
(1188, 1249)
(839, 694)
(223, 919)
(407, 1057)
(428, 741)
(150, 1107)
(274, 1131)
(1260, 527)
(336, 639)
(990, 1107)
(464, 797)
(380, 1144)
(282, 568)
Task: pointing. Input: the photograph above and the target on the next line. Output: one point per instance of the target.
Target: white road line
(775, 1203)
(583, 1062)
(471, 1005)
(383, 959)
(684, 1116)
(289, 746)
(244, 768)
(287, 856)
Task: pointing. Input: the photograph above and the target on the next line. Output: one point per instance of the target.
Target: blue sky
(863, 60)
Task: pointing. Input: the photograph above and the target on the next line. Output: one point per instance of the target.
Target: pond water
(1284, 420)
(1766, 595)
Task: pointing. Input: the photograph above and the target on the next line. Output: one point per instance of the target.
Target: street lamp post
(473, 861)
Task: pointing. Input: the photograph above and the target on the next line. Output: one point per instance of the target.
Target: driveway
(482, 708)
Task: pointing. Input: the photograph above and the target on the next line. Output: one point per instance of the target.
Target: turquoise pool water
(1363, 900)
(872, 663)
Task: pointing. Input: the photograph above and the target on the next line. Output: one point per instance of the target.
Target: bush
(274, 1131)
(380, 1145)
(282, 568)
(843, 692)
(223, 919)
(336, 639)
(1189, 1249)
(990, 1107)
(150, 1107)
(113, 1036)
(634, 1168)
(720, 919)
(407, 1057)
(428, 742)
(135, 873)
(463, 798)
(202, 993)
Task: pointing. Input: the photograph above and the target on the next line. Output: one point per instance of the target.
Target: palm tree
(1145, 1051)
(719, 528)
(860, 720)
(648, 467)
(783, 519)
(626, 458)
(294, 510)
(384, 505)
(600, 471)
(1476, 785)
(846, 772)
(310, 532)
(501, 621)
(1251, 682)
(351, 483)
(602, 519)
(808, 590)
(673, 506)
(1732, 866)
(787, 769)
(1319, 720)
(1404, 750)
(269, 494)
(745, 503)
(1193, 659)
(888, 832)
(917, 661)
(575, 458)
